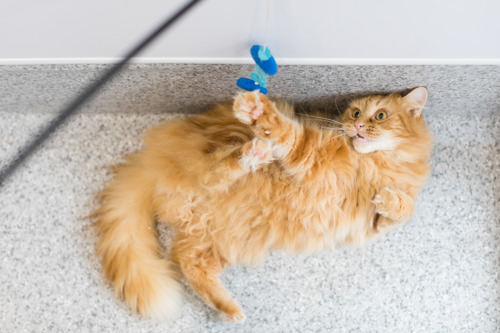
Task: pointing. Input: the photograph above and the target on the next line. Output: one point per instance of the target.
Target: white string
(266, 29)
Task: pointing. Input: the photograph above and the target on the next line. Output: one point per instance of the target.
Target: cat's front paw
(248, 107)
(393, 204)
(255, 153)
(254, 109)
(385, 202)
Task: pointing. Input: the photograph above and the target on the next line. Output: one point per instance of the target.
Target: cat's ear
(417, 97)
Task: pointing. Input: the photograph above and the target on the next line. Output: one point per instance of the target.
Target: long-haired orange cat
(237, 182)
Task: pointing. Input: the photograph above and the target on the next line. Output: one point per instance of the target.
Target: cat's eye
(356, 114)
(381, 115)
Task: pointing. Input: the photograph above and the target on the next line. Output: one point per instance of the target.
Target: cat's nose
(358, 125)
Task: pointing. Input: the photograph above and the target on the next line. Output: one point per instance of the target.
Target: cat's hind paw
(255, 153)
(231, 312)
(235, 318)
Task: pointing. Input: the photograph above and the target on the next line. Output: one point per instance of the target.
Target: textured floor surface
(438, 273)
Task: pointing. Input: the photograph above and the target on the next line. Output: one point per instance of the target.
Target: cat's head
(377, 122)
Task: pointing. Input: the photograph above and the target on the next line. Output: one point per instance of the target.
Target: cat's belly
(261, 215)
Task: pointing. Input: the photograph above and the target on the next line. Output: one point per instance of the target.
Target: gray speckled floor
(439, 273)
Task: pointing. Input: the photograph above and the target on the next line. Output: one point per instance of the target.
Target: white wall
(300, 31)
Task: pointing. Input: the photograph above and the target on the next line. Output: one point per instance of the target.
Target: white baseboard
(280, 61)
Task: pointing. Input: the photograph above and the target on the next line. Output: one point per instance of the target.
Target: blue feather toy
(265, 65)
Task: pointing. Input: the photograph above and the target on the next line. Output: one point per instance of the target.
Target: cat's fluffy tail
(129, 246)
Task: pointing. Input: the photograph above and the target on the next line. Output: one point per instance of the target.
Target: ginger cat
(240, 181)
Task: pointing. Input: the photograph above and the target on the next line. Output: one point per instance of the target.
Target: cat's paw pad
(248, 107)
(256, 153)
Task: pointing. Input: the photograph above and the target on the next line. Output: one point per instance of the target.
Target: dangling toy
(265, 65)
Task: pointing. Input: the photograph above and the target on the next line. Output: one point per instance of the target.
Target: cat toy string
(71, 109)
(266, 29)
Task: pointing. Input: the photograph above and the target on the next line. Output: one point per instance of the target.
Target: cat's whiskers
(338, 136)
(340, 131)
(336, 105)
(331, 128)
(321, 118)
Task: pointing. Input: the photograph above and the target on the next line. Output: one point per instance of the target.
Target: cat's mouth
(362, 138)
(363, 144)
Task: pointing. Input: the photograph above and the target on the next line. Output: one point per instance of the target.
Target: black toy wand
(71, 109)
